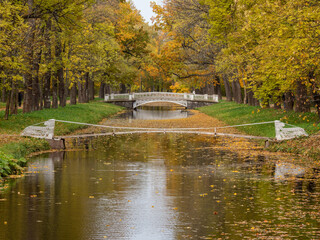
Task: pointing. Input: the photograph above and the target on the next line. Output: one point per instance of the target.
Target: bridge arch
(139, 103)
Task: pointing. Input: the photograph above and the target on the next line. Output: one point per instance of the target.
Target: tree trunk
(288, 101)
(236, 88)
(82, 91)
(62, 95)
(29, 43)
(101, 90)
(107, 89)
(73, 94)
(250, 97)
(35, 83)
(41, 94)
(217, 88)
(6, 115)
(59, 73)
(54, 92)
(86, 88)
(80, 94)
(14, 100)
(91, 89)
(27, 103)
(3, 95)
(123, 88)
(302, 101)
(315, 93)
(48, 73)
(227, 88)
(245, 92)
(46, 90)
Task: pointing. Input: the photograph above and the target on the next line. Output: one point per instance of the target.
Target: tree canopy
(250, 51)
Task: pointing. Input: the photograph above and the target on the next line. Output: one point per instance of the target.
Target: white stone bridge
(187, 100)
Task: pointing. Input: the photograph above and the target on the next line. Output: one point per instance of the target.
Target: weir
(58, 142)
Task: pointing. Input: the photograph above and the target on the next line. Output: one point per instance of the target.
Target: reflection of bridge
(187, 100)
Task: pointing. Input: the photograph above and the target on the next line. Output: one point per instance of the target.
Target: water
(155, 113)
(160, 186)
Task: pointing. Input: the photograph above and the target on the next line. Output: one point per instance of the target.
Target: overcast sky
(144, 7)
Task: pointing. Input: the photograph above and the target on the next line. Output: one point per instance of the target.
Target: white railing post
(112, 96)
(185, 95)
(106, 97)
(192, 97)
(206, 97)
(130, 97)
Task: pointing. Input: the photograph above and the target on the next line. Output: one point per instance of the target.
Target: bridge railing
(161, 96)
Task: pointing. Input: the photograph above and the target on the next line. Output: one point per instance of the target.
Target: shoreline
(29, 147)
(14, 149)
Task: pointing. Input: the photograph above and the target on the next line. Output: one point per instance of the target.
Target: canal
(161, 186)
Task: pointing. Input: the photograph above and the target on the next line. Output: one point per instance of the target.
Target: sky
(144, 7)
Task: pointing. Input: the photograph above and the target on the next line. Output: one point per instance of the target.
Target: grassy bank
(14, 149)
(236, 114)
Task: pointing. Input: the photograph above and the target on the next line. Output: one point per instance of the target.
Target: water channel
(155, 113)
(160, 186)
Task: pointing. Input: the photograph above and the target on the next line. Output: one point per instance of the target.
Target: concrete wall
(122, 103)
(195, 104)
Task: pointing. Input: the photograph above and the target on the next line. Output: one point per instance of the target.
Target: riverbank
(14, 149)
(235, 114)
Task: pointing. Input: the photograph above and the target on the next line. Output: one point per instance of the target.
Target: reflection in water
(155, 113)
(157, 186)
(285, 170)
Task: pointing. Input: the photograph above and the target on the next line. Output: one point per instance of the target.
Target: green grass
(92, 112)
(12, 154)
(235, 114)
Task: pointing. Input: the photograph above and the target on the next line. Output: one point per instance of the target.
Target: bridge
(283, 131)
(187, 100)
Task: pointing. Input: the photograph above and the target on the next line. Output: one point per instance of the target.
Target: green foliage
(269, 45)
(237, 114)
(9, 165)
(19, 150)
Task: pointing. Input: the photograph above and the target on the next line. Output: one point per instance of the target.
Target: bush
(9, 165)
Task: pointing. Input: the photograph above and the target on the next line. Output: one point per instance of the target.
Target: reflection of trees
(214, 192)
(237, 201)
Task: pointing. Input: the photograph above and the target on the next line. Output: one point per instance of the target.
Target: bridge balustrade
(162, 96)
